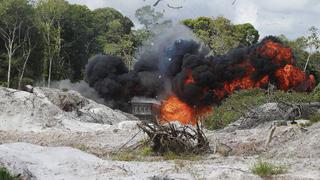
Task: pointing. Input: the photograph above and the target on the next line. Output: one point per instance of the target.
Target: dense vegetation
(240, 102)
(221, 35)
(52, 39)
(5, 175)
(46, 40)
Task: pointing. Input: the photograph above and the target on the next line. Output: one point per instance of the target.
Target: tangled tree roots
(173, 138)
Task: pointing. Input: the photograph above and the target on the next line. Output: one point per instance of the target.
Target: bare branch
(174, 7)
(177, 139)
(27, 49)
(156, 3)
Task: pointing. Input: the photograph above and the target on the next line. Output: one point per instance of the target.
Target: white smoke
(82, 87)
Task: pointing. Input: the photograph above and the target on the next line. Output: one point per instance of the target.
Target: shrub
(3, 84)
(146, 151)
(5, 175)
(265, 169)
(26, 81)
(238, 103)
(232, 107)
(316, 93)
(314, 118)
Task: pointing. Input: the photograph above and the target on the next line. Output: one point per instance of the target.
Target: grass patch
(232, 108)
(316, 93)
(5, 175)
(315, 118)
(146, 151)
(266, 169)
(125, 156)
(146, 154)
(173, 156)
(140, 154)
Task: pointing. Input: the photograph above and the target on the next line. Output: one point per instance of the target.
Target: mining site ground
(41, 141)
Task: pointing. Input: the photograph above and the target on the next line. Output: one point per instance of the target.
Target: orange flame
(287, 77)
(173, 109)
(276, 52)
(291, 77)
(189, 79)
(245, 82)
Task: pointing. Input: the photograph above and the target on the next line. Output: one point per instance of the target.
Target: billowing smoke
(184, 69)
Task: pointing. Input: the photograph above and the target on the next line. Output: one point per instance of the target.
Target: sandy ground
(41, 141)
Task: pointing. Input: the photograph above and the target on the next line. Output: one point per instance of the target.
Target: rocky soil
(52, 134)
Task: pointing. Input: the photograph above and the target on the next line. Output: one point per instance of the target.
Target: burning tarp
(189, 81)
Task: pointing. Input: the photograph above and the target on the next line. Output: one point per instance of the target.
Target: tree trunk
(9, 70)
(49, 74)
(47, 55)
(306, 65)
(23, 69)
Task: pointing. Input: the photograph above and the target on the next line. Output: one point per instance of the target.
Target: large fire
(193, 80)
(173, 109)
(287, 77)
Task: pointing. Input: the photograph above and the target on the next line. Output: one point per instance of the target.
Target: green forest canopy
(53, 40)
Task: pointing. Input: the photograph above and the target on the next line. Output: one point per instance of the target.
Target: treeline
(52, 40)
(46, 40)
(221, 36)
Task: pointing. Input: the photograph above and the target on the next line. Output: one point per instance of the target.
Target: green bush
(146, 151)
(265, 169)
(316, 93)
(239, 102)
(5, 175)
(25, 81)
(314, 118)
(3, 84)
(232, 107)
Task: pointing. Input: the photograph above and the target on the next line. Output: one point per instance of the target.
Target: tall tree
(221, 35)
(14, 24)
(27, 48)
(49, 16)
(313, 43)
(113, 34)
(78, 40)
(153, 22)
(148, 16)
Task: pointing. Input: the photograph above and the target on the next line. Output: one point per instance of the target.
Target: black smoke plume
(168, 68)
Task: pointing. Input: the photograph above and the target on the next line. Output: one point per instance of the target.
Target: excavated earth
(54, 134)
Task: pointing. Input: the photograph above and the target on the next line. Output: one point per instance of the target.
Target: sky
(292, 18)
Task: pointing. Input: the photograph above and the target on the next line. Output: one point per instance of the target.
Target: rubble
(51, 108)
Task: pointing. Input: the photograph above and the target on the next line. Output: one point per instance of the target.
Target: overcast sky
(270, 17)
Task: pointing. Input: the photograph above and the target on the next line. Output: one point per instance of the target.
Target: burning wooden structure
(146, 109)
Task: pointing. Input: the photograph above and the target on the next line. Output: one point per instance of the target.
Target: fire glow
(174, 109)
(192, 80)
(287, 77)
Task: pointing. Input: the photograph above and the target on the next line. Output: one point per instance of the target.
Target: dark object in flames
(146, 109)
